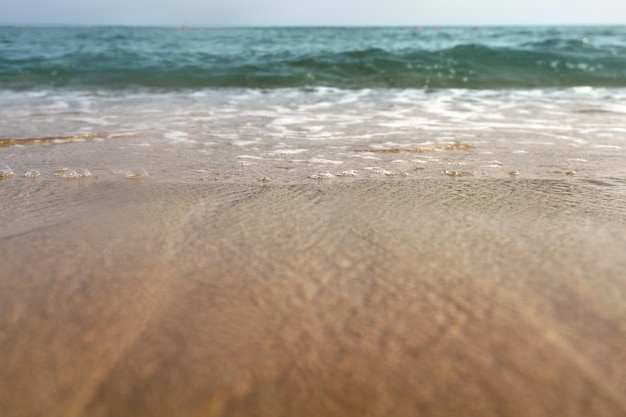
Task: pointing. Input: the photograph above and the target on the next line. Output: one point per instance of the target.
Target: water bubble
(380, 171)
(321, 175)
(5, 171)
(451, 173)
(75, 173)
(69, 174)
(347, 173)
(32, 174)
(137, 174)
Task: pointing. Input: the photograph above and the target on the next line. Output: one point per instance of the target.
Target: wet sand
(376, 297)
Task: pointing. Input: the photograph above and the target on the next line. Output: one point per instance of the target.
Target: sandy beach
(312, 221)
(369, 297)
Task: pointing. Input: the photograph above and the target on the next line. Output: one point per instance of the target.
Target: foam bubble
(32, 174)
(321, 175)
(5, 171)
(75, 173)
(452, 173)
(347, 173)
(137, 173)
(381, 171)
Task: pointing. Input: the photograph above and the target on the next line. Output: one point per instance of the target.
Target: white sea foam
(287, 151)
(245, 142)
(607, 146)
(317, 160)
(178, 137)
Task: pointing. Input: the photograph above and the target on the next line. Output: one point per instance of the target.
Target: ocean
(123, 58)
(317, 94)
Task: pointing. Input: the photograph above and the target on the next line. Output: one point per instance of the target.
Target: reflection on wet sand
(4, 142)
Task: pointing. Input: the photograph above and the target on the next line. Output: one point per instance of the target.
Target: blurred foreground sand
(364, 298)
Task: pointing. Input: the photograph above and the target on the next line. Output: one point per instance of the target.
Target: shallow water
(289, 135)
(379, 297)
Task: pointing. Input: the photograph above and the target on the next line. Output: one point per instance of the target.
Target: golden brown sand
(438, 297)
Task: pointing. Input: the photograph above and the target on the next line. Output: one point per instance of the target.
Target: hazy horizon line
(312, 26)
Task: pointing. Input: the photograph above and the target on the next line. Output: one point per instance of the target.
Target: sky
(311, 12)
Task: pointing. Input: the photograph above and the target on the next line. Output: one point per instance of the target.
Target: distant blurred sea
(118, 58)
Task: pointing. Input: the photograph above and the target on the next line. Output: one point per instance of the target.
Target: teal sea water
(35, 58)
